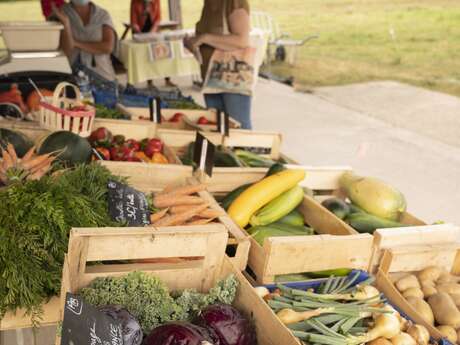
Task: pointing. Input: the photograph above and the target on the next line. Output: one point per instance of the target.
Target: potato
(456, 298)
(444, 309)
(444, 278)
(450, 288)
(428, 291)
(431, 273)
(420, 334)
(449, 333)
(406, 283)
(422, 308)
(413, 292)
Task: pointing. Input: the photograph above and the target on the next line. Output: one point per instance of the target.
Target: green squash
(70, 148)
(21, 143)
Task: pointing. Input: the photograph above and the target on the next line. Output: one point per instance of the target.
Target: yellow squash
(261, 193)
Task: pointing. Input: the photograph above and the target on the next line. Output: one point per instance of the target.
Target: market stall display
(201, 275)
(417, 269)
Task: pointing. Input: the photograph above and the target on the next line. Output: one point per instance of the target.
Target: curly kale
(35, 221)
(149, 300)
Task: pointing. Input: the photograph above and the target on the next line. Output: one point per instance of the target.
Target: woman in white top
(89, 36)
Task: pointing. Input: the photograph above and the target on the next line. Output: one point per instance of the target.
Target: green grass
(414, 41)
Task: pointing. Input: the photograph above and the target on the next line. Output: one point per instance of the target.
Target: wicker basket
(56, 113)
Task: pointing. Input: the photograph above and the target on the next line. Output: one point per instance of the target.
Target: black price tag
(84, 324)
(203, 154)
(223, 123)
(155, 109)
(127, 205)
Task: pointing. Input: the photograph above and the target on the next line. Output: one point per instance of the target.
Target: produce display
(118, 148)
(164, 317)
(184, 105)
(435, 294)
(228, 158)
(372, 204)
(35, 220)
(107, 113)
(342, 311)
(268, 208)
(182, 206)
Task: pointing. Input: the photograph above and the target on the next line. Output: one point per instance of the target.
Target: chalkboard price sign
(155, 109)
(223, 123)
(203, 154)
(127, 205)
(84, 324)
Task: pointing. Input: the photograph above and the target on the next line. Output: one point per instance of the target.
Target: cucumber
(293, 218)
(355, 209)
(366, 223)
(230, 197)
(337, 206)
(225, 160)
(292, 228)
(275, 168)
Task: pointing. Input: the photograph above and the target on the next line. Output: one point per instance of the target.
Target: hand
(63, 18)
(193, 43)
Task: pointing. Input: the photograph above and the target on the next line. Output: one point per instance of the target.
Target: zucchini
(254, 160)
(261, 193)
(275, 168)
(260, 233)
(367, 223)
(278, 207)
(337, 206)
(355, 209)
(293, 218)
(225, 160)
(230, 197)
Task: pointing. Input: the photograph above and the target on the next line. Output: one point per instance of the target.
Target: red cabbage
(229, 324)
(132, 332)
(181, 333)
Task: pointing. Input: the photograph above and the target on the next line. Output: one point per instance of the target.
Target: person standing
(89, 36)
(225, 27)
(145, 16)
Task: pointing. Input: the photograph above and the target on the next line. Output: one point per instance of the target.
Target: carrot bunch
(30, 167)
(182, 206)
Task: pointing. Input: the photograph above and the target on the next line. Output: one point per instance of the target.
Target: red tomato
(104, 152)
(133, 144)
(203, 121)
(177, 117)
(153, 146)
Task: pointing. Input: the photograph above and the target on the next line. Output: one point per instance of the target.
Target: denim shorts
(235, 105)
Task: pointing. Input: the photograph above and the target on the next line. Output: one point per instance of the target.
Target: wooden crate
(206, 244)
(411, 249)
(157, 177)
(31, 129)
(227, 179)
(138, 131)
(336, 245)
(189, 122)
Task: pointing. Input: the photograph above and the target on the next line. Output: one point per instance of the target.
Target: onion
(420, 334)
(386, 326)
(403, 339)
(183, 333)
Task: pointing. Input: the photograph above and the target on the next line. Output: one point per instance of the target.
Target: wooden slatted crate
(200, 266)
(405, 250)
(156, 177)
(190, 122)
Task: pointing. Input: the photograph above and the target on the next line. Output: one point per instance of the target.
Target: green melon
(72, 148)
(21, 143)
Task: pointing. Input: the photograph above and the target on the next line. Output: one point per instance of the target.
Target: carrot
(28, 155)
(38, 174)
(46, 164)
(12, 153)
(210, 213)
(35, 161)
(171, 200)
(7, 160)
(185, 190)
(158, 215)
(181, 218)
(201, 221)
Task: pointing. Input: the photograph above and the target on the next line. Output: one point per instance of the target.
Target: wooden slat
(316, 253)
(130, 129)
(244, 138)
